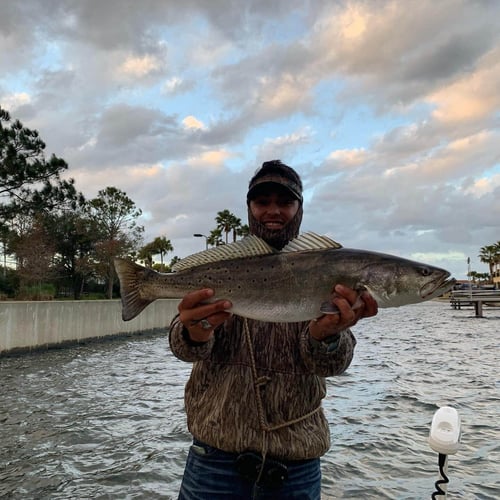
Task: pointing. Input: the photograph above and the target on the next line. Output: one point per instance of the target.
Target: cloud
(190, 122)
(393, 55)
(483, 186)
(284, 146)
(176, 85)
(470, 97)
(13, 101)
(348, 157)
(134, 67)
(390, 113)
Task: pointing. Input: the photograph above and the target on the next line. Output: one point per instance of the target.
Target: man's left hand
(352, 305)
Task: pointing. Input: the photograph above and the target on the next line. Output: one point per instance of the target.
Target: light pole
(199, 235)
(468, 274)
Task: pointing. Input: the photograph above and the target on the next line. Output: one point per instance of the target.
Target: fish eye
(425, 271)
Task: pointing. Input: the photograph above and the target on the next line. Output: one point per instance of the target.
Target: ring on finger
(204, 323)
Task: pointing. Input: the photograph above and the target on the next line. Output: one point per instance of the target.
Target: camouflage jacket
(291, 367)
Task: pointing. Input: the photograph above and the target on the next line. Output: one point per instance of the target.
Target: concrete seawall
(25, 326)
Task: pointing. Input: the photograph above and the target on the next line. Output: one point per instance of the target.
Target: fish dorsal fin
(310, 241)
(250, 246)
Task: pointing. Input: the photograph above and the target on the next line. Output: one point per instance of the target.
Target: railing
(476, 298)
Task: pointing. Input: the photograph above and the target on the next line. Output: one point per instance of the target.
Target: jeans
(211, 474)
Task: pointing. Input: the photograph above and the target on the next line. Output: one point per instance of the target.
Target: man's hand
(352, 306)
(199, 318)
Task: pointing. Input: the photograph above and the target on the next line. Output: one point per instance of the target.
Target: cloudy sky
(389, 110)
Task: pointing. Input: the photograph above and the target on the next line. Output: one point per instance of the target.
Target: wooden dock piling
(475, 298)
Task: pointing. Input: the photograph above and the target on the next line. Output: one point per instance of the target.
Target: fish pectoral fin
(359, 303)
(130, 274)
(328, 307)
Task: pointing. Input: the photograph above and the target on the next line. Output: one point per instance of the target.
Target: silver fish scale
(263, 287)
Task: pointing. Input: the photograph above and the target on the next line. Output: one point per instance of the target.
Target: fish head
(439, 282)
(398, 282)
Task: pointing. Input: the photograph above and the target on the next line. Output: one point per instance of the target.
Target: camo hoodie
(220, 397)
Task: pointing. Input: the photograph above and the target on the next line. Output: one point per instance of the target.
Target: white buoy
(444, 438)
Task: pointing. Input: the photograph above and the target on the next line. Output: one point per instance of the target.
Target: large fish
(294, 284)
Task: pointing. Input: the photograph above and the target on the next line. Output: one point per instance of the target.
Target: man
(253, 400)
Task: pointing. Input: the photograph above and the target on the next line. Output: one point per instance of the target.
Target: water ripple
(106, 421)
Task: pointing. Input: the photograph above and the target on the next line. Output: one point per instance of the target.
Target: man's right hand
(201, 318)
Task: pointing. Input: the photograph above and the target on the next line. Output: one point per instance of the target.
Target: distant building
(496, 274)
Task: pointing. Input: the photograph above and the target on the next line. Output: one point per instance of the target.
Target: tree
(30, 190)
(115, 217)
(174, 261)
(74, 235)
(28, 182)
(243, 231)
(145, 255)
(215, 238)
(35, 251)
(227, 222)
(5, 236)
(490, 254)
(161, 246)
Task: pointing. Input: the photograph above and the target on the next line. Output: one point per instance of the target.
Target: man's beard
(277, 238)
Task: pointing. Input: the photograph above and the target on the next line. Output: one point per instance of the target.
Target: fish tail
(131, 275)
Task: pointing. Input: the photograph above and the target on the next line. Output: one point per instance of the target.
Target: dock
(475, 298)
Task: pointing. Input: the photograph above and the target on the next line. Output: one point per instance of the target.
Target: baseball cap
(275, 172)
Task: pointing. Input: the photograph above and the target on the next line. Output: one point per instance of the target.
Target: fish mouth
(437, 287)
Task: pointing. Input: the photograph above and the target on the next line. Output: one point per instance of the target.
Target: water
(106, 421)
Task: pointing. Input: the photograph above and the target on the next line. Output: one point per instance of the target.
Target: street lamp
(198, 235)
(468, 274)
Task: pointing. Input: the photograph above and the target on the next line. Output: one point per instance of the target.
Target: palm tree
(236, 227)
(490, 254)
(243, 230)
(162, 246)
(215, 238)
(145, 255)
(227, 222)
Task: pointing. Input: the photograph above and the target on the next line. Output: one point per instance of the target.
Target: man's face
(274, 207)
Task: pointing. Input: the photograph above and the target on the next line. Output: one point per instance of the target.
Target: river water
(106, 421)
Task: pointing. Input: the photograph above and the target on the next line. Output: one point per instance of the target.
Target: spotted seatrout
(293, 284)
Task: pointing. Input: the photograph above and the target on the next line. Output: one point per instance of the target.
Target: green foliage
(74, 235)
(23, 166)
(32, 194)
(43, 291)
(53, 232)
(95, 296)
(174, 261)
(228, 222)
(159, 246)
(114, 218)
(490, 254)
(9, 282)
(215, 238)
